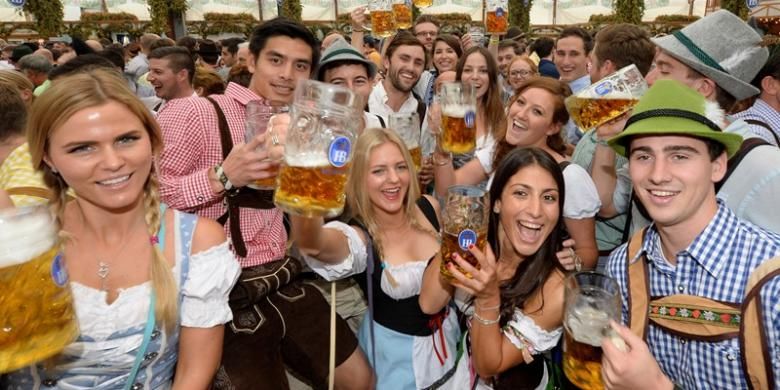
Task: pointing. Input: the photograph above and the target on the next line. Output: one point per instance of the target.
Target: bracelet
(353, 30)
(494, 40)
(602, 142)
(484, 321)
(444, 162)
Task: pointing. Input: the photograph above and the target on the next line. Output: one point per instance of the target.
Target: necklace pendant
(102, 271)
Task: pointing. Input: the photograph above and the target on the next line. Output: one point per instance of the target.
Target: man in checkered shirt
(291, 325)
(695, 246)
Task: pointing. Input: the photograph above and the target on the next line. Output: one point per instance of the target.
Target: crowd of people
(140, 153)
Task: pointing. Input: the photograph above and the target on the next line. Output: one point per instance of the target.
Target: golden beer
(423, 3)
(37, 319)
(416, 153)
(449, 245)
(403, 15)
(496, 23)
(263, 184)
(582, 363)
(382, 23)
(456, 136)
(588, 113)
(312, 189)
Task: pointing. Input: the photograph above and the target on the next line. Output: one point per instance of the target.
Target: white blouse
(211, 275)
(407, 276)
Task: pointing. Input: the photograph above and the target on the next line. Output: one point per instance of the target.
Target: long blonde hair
(359, 204)
(80, 91)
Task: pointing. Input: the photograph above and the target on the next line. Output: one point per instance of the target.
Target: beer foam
(308, 160)
(456, 110)
(24, 235)
(587, 325)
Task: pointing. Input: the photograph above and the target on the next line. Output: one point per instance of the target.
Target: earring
(496, 209)
(54, 170)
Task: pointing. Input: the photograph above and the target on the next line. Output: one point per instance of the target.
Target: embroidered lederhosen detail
(703, 319)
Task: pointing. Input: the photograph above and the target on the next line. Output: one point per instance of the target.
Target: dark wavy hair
(534, 270)
(558, 89)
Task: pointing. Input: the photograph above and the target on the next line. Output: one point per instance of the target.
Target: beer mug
(257, 118)
(382, 20)
(407, 126)
(465, 223)
(458, 117)
(37, 319)
(318, 149)
(591, 300)
(496, 16)
(477, 35)
(423, 3)
(607, 99)
(402, 13)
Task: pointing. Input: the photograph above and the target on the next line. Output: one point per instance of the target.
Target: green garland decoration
(160, 11)
(629, 11)
(49, 15)
(520, 14)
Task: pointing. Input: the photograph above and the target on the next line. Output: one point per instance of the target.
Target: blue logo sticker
(338, 152)
(470, 118)
(17, 3)
(499, 12)
(603, 88)
(466, 238)
(58, 272)
(752, 3)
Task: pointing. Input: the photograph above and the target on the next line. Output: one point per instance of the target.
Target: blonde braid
(162, 277)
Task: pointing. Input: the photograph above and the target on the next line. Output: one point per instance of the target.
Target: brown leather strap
(241, 197)
(756, 359)
(637, 286)
(224, 130)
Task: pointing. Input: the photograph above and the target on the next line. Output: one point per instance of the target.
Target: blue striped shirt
(715, 265)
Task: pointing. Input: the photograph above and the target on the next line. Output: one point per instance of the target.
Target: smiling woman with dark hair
(514, 300)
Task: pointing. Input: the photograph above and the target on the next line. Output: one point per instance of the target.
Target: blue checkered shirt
(761, 111)
(715, 265)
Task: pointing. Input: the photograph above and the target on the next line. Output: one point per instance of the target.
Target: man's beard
(395, 79)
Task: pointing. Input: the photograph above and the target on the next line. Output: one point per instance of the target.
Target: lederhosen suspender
(240, 197)
(732, 320)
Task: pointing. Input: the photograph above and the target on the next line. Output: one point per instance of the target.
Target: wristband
(443, 162)
(220, 173)
(602, 142)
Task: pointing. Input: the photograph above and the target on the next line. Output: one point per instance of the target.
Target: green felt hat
(671, 108)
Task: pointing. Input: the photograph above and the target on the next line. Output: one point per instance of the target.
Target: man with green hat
(717, 56)
(684, 278)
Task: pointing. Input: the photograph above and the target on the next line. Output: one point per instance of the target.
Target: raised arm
(603, 166)
(358, 21)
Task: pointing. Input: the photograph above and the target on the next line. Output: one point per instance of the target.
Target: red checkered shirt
(191, 148)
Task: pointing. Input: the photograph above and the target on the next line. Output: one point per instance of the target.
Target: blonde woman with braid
(389, 235)
(150, 284)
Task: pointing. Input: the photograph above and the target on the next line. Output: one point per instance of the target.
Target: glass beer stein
(607, 99)
(496, 16)
(465, 223)
(258, 116)
(318, 149)
(458, 117)
(407, 126)
(591, 300)
(382, 18)
(37, 319)
(402, 13)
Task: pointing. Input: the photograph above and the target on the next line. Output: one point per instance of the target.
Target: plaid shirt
(763, 112)
(192, 148)
(715, 265)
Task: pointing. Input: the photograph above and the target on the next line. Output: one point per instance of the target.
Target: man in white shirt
(571, 58)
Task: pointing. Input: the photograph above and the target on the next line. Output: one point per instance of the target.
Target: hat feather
(739, 57)
(714, 113)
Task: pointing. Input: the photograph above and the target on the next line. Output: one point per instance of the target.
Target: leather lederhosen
(240, 197)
